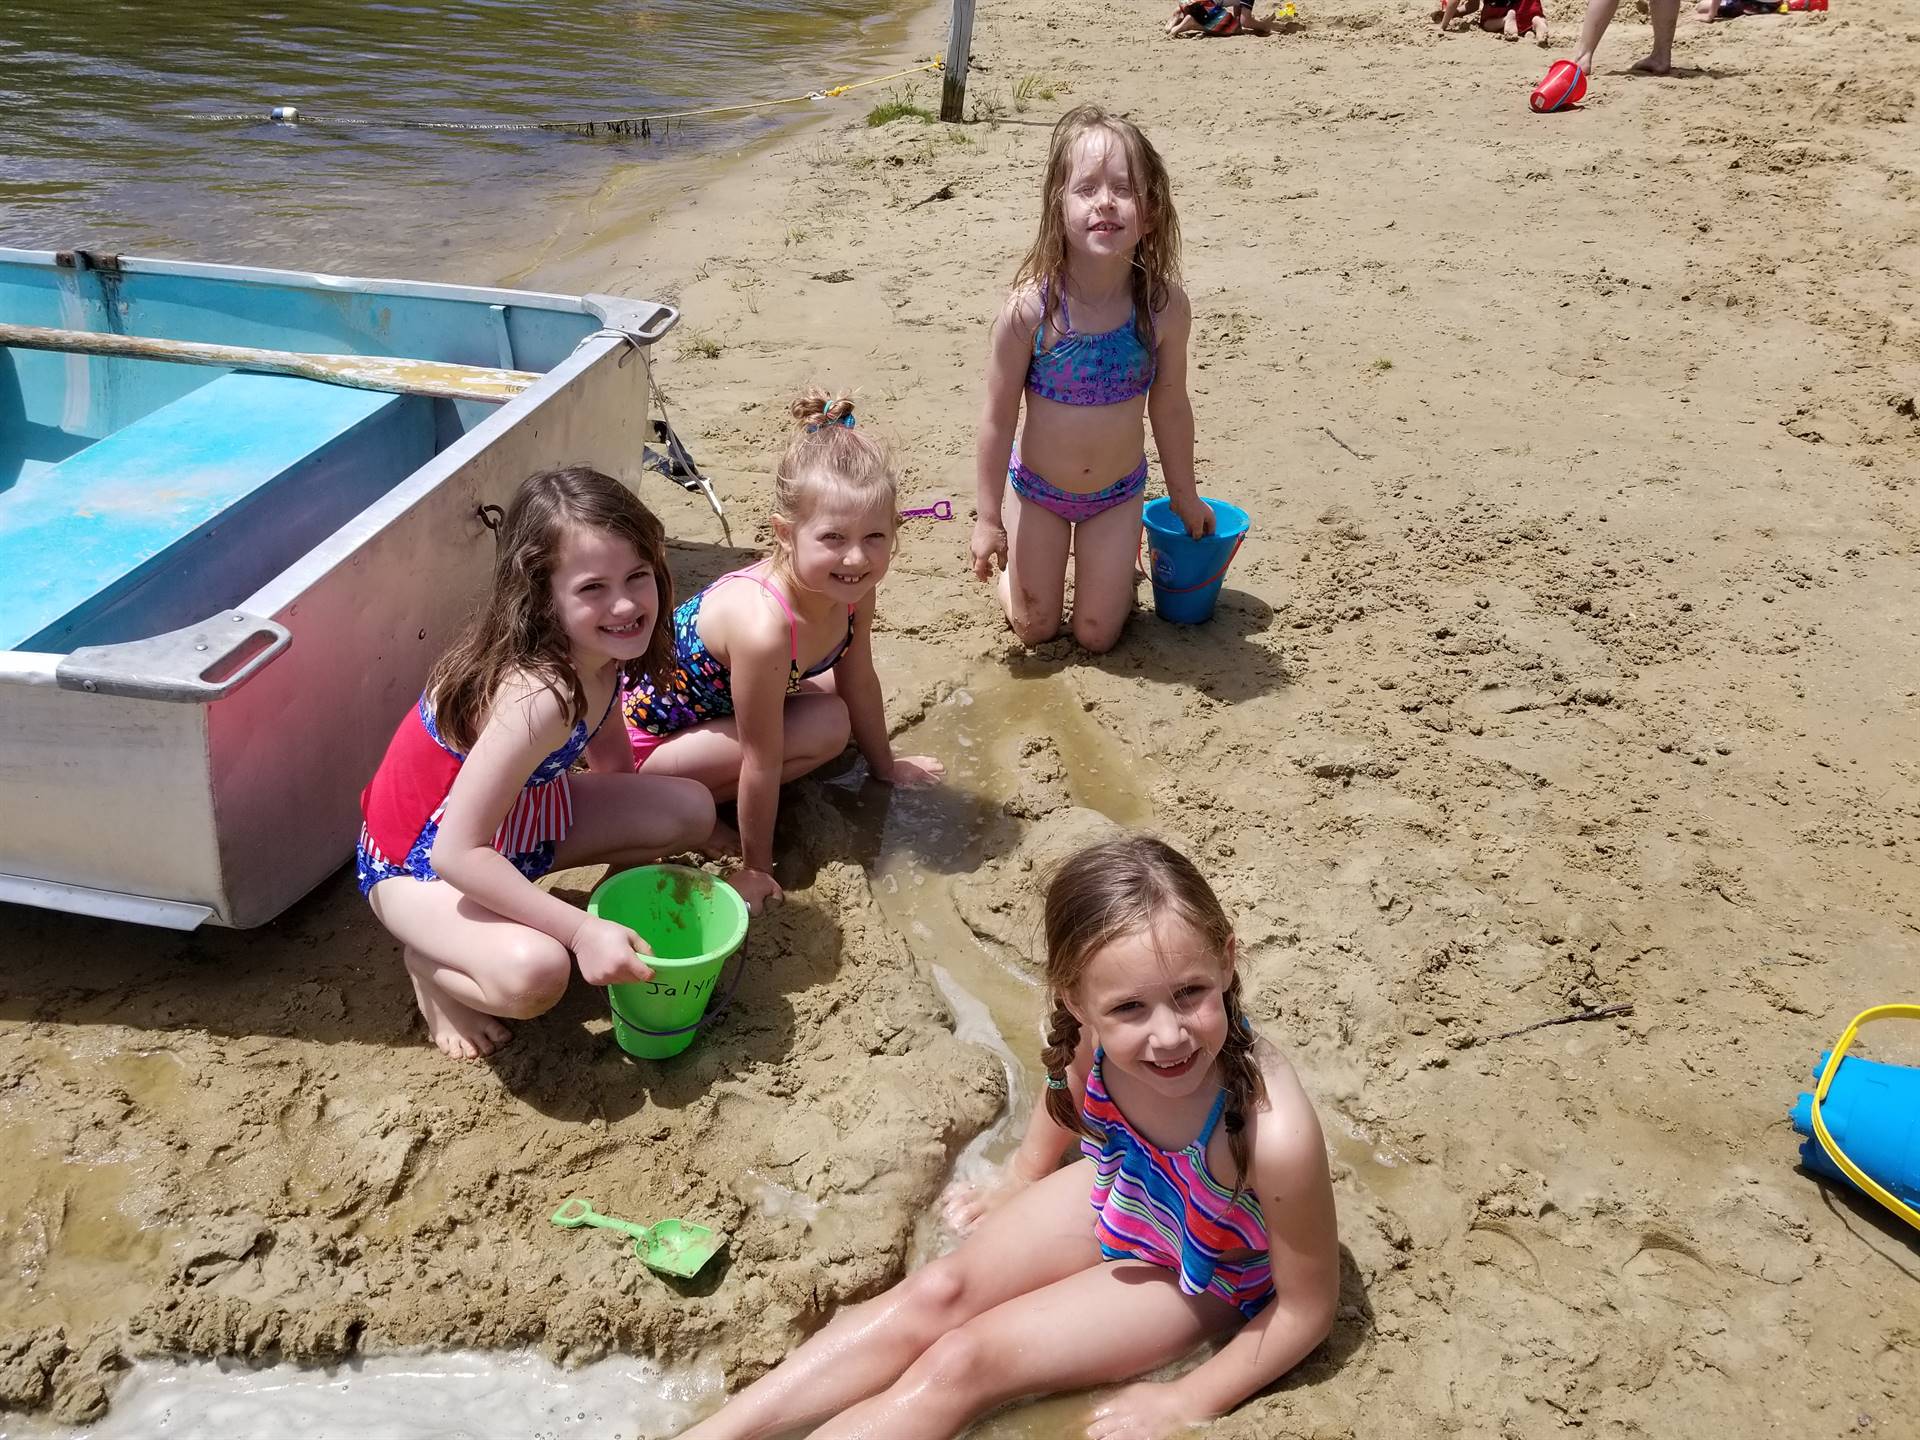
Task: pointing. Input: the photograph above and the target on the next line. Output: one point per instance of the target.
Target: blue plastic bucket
(1873, 1111)
(1187, 573)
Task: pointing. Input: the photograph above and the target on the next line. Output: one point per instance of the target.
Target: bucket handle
(1140, 564)
(707, 1019)
(1840, 1157)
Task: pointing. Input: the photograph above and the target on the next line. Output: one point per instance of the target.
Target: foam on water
(404, 1397)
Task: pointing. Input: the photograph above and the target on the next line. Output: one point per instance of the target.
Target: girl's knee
(1033, 629)
(690, 806)
(936, 1293)
(829, 727)
(1098, 634)
(960, 1362)
(840, 726)
(534, 975)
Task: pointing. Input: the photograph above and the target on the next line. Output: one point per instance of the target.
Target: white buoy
(285, 115)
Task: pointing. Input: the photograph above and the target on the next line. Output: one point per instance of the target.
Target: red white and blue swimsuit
(402, 805)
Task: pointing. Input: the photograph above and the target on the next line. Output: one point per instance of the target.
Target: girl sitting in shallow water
(1199, 1207)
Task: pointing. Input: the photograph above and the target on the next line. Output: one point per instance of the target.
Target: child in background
(1203, 17)
(1509, 19)
(1199, 1208)
(473, 801)
(775, 662)
(1094, 340)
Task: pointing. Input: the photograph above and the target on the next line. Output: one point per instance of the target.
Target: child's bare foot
(1655, 65)
(723, 843)
(1510, 27)
(459, 1030)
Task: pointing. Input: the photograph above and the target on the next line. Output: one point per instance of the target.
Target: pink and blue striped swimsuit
(1166, 1207)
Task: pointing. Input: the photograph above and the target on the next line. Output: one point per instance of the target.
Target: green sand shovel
(673, 1247)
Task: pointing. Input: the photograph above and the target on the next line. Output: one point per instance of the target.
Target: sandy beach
(1573, 661)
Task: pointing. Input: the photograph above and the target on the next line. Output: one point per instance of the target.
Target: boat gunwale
(285, 588)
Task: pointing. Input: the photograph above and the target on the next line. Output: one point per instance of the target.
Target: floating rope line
(619, 125)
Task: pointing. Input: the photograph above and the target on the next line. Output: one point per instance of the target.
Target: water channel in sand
(915, 845)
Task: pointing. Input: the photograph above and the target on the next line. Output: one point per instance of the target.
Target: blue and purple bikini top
(1078, 369)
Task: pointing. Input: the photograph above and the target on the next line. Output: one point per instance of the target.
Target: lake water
(100, 146)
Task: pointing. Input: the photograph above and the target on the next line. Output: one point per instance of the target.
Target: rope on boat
(619, 125)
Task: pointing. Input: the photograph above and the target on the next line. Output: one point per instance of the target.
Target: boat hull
(136, 789)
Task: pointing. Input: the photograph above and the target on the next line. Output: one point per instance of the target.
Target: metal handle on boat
(641, 321)
(193, 666)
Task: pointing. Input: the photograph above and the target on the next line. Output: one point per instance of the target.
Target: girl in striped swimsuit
(1199, 1207)
(475, 799)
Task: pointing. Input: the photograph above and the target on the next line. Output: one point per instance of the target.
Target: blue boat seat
(193, 507)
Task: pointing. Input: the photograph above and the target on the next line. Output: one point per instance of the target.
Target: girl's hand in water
(966, 1205)
(910, 772)
(1194, 513)
(989, 546)
(757, 888)
(1142, 1411)
(609, 954)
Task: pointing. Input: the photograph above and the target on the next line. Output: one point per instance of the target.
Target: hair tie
(1056, 1082)
(813, 426)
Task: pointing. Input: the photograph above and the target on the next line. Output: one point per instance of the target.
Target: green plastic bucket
(693, 921)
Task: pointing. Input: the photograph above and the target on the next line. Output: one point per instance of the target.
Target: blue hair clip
(847, 420)
(813, 426)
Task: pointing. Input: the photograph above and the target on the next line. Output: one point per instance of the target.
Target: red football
(1564, 85)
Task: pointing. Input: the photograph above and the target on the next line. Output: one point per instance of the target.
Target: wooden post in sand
(953, 85)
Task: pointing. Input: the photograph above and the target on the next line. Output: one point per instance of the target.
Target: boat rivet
(89, 687)
(200, 647)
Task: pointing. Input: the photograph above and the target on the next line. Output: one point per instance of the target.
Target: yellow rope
(1840, 1157)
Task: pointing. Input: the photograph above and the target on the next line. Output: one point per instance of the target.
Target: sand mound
(239, 1144)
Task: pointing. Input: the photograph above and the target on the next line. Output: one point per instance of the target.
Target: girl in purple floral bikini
(1094, 339)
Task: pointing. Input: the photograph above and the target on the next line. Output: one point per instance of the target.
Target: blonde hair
(829, 457)
(1156, 259)
(1121, 887)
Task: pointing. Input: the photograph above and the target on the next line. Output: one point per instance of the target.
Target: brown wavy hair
(828, 456)
(1156, 259)
(518, 631)
(1114, 889)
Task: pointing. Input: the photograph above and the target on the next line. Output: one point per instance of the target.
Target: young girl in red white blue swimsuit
(476, 797)
(1093, 342)
(773, 664)
(1198, 1206)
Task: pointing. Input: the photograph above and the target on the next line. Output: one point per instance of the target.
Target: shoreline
(1565, 666)
(586, 243)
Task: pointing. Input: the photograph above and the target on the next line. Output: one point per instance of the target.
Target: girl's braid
(1063, 1043)
(1241, 1078)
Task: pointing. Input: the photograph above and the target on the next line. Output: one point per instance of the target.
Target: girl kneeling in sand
(1094, 337)
(474, 801)
(775, 662)
(1200, 1207)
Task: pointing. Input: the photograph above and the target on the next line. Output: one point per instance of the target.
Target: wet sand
(1571, 662)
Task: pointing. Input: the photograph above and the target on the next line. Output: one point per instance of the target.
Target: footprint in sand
(1494, 1242)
